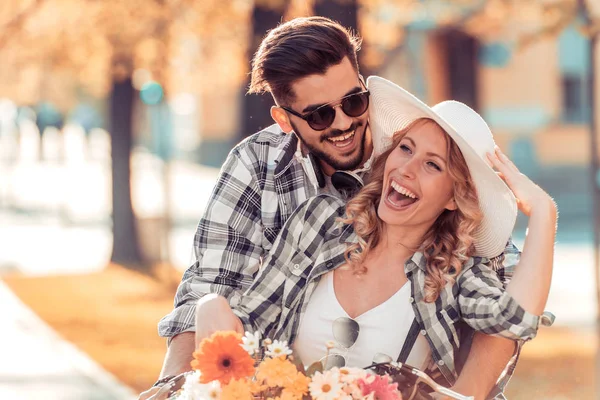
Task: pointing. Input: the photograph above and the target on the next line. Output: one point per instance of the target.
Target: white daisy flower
(251, 342)
(325, 387)
(278, 348)
(348, 374)
(194, 390)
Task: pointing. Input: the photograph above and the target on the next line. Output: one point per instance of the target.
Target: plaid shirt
(313, 243)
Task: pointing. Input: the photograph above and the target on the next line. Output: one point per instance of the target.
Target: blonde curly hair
(447, 244)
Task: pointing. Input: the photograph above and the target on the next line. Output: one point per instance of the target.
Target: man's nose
(342, 121)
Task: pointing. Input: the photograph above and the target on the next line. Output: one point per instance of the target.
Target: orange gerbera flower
(236, 390)
(221, 357)
(277, 372)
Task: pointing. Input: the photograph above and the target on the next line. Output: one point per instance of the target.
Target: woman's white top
(383, 329)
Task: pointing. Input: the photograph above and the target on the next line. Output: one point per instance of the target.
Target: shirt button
(441, 363)
(423, 332)
(296, 266)
(411, 300)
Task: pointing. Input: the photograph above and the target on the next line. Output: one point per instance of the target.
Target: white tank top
(383, 329)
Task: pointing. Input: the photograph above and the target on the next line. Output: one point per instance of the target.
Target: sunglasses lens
(322, 118)
(333, 360)
(356, 105)
(345, 331)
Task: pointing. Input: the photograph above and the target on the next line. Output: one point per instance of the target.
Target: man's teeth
(403, 190)
(341, 138)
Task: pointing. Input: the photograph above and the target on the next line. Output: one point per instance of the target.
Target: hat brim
(392, 109)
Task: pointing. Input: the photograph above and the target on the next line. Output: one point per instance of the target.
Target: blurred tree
(48, 47)
(256, 115)
(100, 45)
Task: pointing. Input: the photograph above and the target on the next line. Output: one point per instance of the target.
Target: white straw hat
(393, 109)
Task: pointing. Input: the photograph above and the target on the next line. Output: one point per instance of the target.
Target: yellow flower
(276, 372)
(257, 387)
(299, 386)
(236, 390)
(286, 395)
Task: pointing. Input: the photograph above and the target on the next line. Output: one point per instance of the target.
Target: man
(309, 66)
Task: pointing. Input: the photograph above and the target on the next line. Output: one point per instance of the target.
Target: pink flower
(379, 388)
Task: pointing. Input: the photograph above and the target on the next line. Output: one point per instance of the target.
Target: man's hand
(213, 314)
(148, 393)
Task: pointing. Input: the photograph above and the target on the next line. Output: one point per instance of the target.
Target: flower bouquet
(229, 366)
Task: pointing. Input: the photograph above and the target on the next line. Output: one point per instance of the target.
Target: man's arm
(177, 360)
(489, 355)
(487, 360)
(227, 243)
(227, 246)
(179, 355)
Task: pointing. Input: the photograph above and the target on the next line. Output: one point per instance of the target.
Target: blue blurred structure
(48, 116)
(87, 116)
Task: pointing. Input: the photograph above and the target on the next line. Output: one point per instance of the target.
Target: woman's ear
(451, 205)
(281, 117)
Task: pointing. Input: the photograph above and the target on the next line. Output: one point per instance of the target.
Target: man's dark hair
(299, 48)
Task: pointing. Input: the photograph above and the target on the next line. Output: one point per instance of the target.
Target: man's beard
(340, 165)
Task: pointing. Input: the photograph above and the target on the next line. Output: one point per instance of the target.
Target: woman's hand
(529, 195)
(213, 313)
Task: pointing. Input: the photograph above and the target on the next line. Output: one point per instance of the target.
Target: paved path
(35, 363)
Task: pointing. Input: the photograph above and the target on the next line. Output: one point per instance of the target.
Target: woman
(397, 268)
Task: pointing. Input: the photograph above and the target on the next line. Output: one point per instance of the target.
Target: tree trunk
(126, 248)
(256, 113)
(462, 66)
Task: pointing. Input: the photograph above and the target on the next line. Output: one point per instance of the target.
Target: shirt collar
(288, 148)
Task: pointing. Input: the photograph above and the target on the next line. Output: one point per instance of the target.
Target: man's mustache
(338, 132)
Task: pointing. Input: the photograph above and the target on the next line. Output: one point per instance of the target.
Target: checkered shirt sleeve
(227, 243)
(488, 308)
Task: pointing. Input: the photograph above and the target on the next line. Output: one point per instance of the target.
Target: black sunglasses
(345, 333)
(354, 105)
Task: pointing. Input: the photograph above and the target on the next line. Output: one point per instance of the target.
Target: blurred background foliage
(139, 68)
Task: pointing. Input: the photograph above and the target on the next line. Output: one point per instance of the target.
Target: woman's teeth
(402, 190)
(342, 141)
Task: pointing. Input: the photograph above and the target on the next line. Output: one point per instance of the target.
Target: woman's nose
(407, 169)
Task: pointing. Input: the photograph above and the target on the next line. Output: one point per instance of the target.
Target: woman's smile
(400, 197)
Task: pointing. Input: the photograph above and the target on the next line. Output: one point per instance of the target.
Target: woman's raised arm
(530, 284)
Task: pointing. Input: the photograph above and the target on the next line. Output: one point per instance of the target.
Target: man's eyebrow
(313, 107)
(430, 154)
